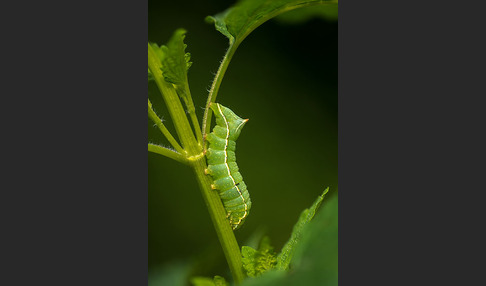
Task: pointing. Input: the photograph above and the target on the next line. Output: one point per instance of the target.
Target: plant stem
(174, 106)
(195, 156)
(218, 216)
(192, 113)
(213, 93)
(153, 116)
(167, 153)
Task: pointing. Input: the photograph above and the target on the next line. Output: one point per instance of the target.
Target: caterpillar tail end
(236, 226)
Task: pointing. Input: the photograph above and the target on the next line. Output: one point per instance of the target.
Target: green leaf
(202, 281)
(237, 22)
(174, 274)
(249, 260)
(315, 260)
(220, 281)
(326, 12)
(257, 262)
(206, 281)
(265, 245)
(285, 256)
(159, 54)
(316, 256)
(175, 60)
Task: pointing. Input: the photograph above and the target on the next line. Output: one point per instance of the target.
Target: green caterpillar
(222, 164)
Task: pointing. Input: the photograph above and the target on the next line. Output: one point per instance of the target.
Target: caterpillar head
(226, 118)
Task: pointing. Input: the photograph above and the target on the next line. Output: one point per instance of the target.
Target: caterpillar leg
(230, 218)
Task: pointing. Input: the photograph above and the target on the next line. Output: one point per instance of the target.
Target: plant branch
(192, 112)
(153, 116)
(167, 153)
(213, 92)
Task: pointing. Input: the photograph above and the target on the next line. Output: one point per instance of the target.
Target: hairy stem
(153, 116)
(167, 153)
(213, 93)
(192, 113)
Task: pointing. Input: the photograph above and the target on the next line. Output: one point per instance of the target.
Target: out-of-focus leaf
(257, 262)
(265, 245)
(269, 278)
(285, 256)
(206, 281)
(249, 260)
(256, 237)
(202, 281)
(315, 261)
(316, 256)
(220, 281)
(245, 16)
(328, 12)
(174, 274)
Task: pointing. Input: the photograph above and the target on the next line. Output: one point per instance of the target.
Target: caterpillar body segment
(222, 165)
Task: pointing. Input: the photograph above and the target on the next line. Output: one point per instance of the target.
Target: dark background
(283, 77)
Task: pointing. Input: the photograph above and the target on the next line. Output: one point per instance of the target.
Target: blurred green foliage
(284, 79)
(258, 261)
(315, 260)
